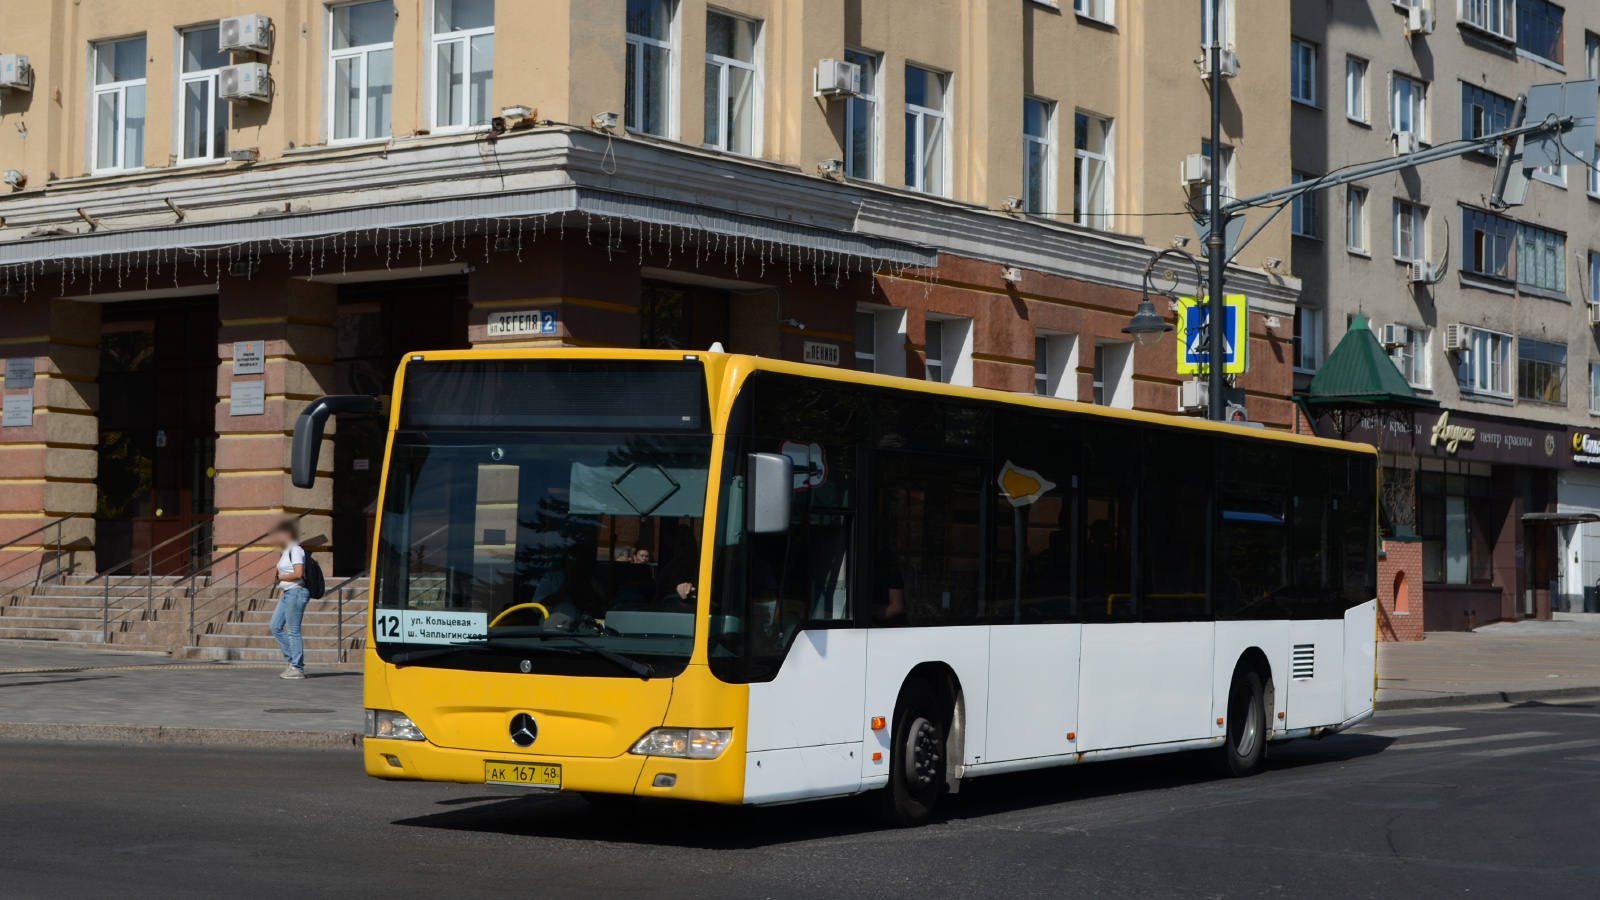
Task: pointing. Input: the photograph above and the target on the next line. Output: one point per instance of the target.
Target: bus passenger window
(1032, 570)
(1110, 463)
(928, 536)
(1174, 525)
(1252, 546)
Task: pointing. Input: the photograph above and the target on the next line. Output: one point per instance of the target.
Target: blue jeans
(286, 625)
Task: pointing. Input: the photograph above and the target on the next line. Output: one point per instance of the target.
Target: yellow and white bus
(732, 579)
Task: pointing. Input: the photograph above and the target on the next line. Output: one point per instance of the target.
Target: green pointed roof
(1359, 372)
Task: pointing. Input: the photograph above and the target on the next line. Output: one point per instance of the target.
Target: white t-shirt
(293, 555)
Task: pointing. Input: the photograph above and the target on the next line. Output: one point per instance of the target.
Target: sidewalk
(57, 693)
(1502, 662)
(68, 694)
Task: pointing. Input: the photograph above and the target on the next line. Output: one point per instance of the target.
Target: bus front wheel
(916, 759)
(1245, 748)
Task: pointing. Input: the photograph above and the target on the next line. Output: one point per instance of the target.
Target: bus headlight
(391, 725)
(684, 743)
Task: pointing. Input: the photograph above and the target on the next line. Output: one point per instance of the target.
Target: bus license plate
(539, 775)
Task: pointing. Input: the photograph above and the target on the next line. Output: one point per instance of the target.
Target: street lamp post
(1216, 240)
(1147, 326)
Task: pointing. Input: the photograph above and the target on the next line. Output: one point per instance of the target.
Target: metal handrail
(107, 571)
(48, 525)
(234, 552)
(338, 638)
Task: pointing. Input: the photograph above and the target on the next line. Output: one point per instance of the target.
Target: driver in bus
(572, 592)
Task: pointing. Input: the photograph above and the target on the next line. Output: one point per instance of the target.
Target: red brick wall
(1400, 558)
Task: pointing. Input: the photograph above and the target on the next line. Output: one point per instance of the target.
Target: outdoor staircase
(156, 614)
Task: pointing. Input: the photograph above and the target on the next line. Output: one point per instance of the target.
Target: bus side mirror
(308, 431)
(769, 488)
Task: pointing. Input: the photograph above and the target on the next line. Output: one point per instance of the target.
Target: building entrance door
(158, 396)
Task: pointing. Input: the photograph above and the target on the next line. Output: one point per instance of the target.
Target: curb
(167, 734)
(1487, 697)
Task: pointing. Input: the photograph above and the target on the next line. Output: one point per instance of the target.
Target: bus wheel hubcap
(1249, 732)
(922, 754)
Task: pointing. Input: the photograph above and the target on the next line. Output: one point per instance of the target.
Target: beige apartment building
(212, 220)
(1488, 312)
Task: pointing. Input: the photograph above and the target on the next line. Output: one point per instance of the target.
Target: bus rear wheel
(916, 759)
(1245, 747)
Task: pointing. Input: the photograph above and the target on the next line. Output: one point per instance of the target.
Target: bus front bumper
(647, 776)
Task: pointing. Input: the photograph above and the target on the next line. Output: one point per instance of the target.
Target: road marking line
(1457, 742)
(1537, 748)
(1407, 732)
(1593, 757)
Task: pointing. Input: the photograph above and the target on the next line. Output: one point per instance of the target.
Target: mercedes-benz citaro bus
(738, 580)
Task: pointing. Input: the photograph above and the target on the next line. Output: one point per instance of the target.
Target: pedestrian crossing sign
(1194, 317)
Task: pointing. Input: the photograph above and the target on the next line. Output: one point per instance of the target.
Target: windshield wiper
(643, 670)
(410, 656)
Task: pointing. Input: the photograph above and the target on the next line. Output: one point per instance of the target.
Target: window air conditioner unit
(837, 78)
(1405, 142)
(1422, 271)
(1419, 20)
(245, 33)
(1394, 336)
(15, 72)
(1230, 65)
(248, 81)
(1457, 337)
(1196, 169)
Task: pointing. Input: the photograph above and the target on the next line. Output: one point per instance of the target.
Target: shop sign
(249, 357)
(533, 321)
(821, 354)
(1585, 449)
(1451, 435)
(247, 398)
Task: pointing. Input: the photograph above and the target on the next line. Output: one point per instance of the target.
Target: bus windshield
(553, 551)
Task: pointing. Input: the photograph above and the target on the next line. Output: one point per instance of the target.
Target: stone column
(588, 298)
(294, 319)
(48, 466)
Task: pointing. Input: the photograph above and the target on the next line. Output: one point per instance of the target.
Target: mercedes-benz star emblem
(524, 730)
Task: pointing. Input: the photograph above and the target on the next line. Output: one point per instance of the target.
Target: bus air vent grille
(1305, 660)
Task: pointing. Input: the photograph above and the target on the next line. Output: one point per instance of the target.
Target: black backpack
(311, 578)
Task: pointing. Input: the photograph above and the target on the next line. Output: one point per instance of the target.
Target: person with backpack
(300, 580)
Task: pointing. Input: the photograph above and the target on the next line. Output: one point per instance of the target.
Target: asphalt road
(1486, 802)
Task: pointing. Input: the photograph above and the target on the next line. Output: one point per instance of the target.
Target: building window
(1594, 388)
(1482, 112)
(1487, 243)
(1455, 528)
(1099, 10)
(1305, 210)
(1041, 366)
(1355, 88)
(362, 60)
(1355, 219)
(1307, 338)
(1541, 371)
(947, 348)
(119, 105)
(1206, 26)
(1410, 231)
(1541, 258)
(648, 75)
(202, 114)
(1483, 369)
(731, 83)
(1591, 54)
(1303, 72)
(1539, 29)
(1113, 376)
(1055, 366)
(925, 130)
(463, 63)
(866, 342)
(1411, 358)
(1493, 16)
(1038, 155)
(861, 120)
(1594, 278)
(1594, 175)
(1408, 111)
(1091, 172)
